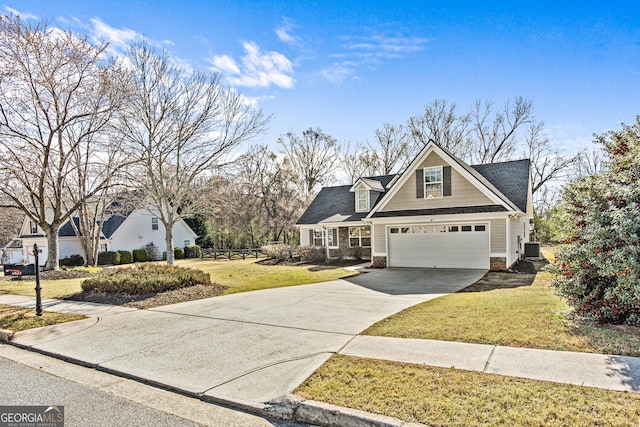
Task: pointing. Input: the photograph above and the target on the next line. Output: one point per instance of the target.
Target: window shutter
(310, 237)
(420, 184)
(334, 231)
(446, 180)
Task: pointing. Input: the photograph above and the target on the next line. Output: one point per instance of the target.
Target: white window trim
(359, 237)
(325, 234)
(155, 223)
(358, 200)
(424, 176)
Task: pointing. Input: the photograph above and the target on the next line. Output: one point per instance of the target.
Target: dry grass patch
(19, 319)
(452, 397)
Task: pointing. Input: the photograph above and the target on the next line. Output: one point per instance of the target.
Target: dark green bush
(178, 253)
(72, 261)
(125, 257)
(139, 255)
(146, 278)
(192, 251)
(108, 258)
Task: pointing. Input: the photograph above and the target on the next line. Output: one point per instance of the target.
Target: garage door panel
(439, 250)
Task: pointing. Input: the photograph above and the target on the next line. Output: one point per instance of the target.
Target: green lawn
(453, 397)
(504, 312)
(250, 275)
(237, 275)
(50, 288)
(19, 319)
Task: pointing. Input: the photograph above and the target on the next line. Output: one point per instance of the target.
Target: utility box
(532, 250)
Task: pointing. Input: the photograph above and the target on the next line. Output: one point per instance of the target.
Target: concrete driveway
(251, 347)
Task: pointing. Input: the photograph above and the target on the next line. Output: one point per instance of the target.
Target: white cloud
(23, 15)
(225, 64)
(284, 33)
(339, 72)
(367, 51)
(257, 69)
(122, 38)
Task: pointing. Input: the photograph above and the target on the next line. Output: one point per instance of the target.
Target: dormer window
(362, 200)
(33, 227)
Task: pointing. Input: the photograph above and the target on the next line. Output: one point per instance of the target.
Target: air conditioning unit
(532, 250)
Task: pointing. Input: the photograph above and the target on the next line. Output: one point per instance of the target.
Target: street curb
(324, 414)
(289, 407)
(6, 335)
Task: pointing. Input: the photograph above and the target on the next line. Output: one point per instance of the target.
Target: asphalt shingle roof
(337, 204)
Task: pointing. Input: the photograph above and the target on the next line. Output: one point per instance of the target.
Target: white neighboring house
(123, 231)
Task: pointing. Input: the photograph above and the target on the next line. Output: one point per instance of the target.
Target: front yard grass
(237, 275)
(56, 289)
(518, 310)
(251, 275)
(18, 319)
(453, 397)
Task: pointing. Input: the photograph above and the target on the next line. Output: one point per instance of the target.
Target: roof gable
(472, 187)
(337, 204)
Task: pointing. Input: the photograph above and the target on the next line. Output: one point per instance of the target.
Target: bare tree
(10, 224)
(547, 163)
(495, 135)
(179, 126)
(588, 163)
(393, 150)
(314, 157)
(357, 162)
(57, 94)
(441, 123)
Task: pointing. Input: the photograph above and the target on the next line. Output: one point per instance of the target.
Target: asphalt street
(109, 400)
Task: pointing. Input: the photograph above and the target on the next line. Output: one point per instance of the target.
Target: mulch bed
(154, 299)
(522, 273)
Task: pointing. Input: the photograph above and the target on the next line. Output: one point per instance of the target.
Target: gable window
(362, 200)
(433, 182)
(154, 223)
(360, 236)
(320, 237)
(33, 227)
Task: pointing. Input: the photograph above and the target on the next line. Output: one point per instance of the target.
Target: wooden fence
(230, 253)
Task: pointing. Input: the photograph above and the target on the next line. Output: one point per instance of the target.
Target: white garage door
(439, 246)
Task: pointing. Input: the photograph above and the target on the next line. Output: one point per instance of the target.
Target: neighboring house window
(154, 223)
(187, 243)
(103, 247)
(33, 227)
(433, 182)
(360, 236)
(319, 235)
(362, 203)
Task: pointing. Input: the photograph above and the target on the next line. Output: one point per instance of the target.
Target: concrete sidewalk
(620, 373)
(82, 308)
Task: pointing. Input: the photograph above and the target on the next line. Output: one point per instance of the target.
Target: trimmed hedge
(72, 261)
(108, 258)
(178, 253)
(139, 255)
(146, 278)
(192, 251)
(125, 257)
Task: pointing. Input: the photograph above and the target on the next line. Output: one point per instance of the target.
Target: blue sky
(350, 67)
